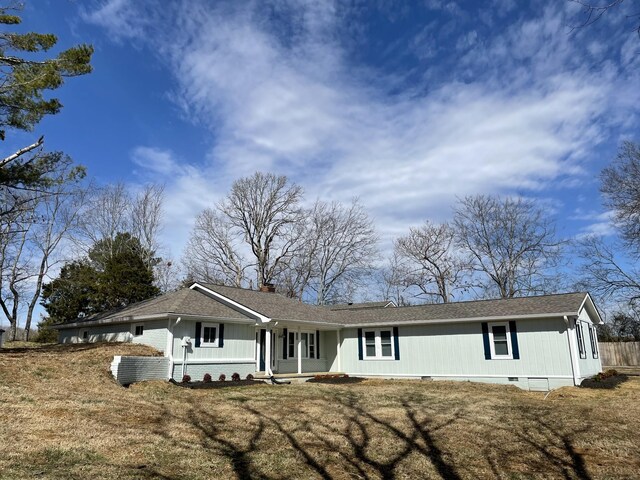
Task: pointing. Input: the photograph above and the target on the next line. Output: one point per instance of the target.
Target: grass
(64, 417)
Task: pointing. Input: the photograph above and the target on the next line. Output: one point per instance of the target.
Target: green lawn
(64, 417)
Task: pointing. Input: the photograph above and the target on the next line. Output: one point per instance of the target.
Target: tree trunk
(34, 299)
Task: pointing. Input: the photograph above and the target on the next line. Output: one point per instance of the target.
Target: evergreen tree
(73, 294)
(113, 276)
(24, 80)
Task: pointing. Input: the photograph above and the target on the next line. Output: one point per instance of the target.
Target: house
(535, 343)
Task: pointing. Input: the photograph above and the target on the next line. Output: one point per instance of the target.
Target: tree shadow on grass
(556, 454)
(361, 443)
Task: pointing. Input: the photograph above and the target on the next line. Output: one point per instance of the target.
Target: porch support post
(257, 350)
(338, 348)
(267, 352)
(299, 351)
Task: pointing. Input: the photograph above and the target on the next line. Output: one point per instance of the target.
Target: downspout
(572, 354)
(170, 349)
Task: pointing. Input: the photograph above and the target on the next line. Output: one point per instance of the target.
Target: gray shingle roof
(358, 306)
(560, 304)
(182, 302)
(275, 305)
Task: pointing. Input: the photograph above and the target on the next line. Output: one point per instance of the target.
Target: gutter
(385, 323)
(139, 318)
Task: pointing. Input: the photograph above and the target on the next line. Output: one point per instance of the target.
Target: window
(138, 330)
(308, 340)
(580, 335)
(500, 341)
(293, 350)
(378, 345)
(209, 337)
(594, 340)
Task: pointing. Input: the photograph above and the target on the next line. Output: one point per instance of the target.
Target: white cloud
(527, 114)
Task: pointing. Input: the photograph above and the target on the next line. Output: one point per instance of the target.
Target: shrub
(222, 377)
(606, 374)
(186, 379)
(206, 378)
(249, 377)
(235, 377)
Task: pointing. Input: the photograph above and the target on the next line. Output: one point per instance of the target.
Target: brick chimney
(268, 288)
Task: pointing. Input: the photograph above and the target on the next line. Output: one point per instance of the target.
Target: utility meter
(186, 341)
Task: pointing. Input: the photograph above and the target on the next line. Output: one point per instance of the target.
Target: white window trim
(133, 329)
(298, 337)
(214, 344)
(593, 340)
(378, 344)
(81, 333)
(582, 352)
(494, 355)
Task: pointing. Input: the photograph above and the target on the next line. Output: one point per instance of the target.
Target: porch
(296, 350)
(293, 377)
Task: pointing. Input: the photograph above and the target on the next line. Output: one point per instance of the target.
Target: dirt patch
(335, 379)
(611, 381)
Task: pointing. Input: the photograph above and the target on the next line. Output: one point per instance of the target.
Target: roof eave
(140, 318)
(461, 320)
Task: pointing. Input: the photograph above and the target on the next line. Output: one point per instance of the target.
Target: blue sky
(405, 105)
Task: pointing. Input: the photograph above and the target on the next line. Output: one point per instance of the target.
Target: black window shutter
(514, 340)
(360, 355)
(317, 343)
(198, 333)
(221, 336)
(485, 341)
(396, 343)
(285, 343)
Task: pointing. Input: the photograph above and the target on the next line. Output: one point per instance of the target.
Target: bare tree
(620, 185)
(146, 220)
(606, 275)
(14, 270)
(391, 280)
(212, 252)
(433, 265)
(512, 242)
(344, 246)
(108, 213)
(265, 208)
(28, 255)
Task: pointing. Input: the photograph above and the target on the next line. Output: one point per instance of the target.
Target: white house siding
(128, 370)
(154, 334)
(238, 344)
(102, 333)
(455, 351)
(589, 366)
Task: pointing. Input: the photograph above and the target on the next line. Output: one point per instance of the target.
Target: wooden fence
(619, 354)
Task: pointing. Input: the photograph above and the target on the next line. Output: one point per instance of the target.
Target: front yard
(64, 417)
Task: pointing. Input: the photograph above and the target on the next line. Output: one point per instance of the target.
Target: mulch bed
(335, 379)
(607, 379)
(217, 384)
